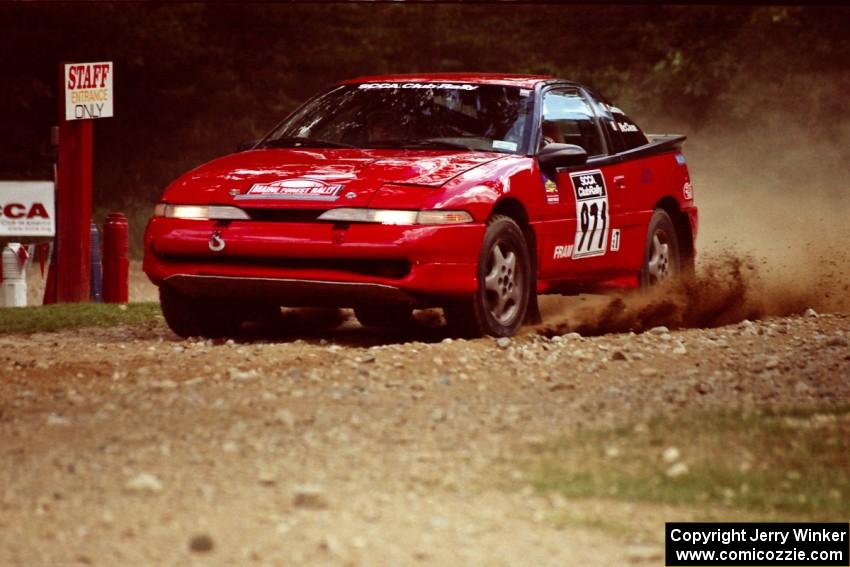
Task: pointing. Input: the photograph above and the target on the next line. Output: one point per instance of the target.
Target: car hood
(317, 178)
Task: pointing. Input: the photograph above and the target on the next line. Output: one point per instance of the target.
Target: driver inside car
(550, 134)
(383, 126)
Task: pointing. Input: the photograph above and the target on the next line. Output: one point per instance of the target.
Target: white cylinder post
(14, 285)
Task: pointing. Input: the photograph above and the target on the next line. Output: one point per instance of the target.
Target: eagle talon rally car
(470, 192)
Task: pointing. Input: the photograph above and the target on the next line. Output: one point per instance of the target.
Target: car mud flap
(532, 313)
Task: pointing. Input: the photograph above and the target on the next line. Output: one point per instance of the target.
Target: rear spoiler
(666, 142)
(658, 144)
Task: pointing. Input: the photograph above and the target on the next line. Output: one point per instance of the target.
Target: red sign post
(85, 93)
(74, 200)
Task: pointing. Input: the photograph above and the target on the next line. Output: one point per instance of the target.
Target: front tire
(197, 317)
(499, 306)
(662, 260)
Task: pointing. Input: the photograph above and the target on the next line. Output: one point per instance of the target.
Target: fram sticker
(300, 188)
(563, 251)
(593, 221)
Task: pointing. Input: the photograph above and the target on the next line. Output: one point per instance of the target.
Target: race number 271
(592, 215)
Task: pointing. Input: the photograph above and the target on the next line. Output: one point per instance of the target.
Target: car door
(580, 200)
(637, 185)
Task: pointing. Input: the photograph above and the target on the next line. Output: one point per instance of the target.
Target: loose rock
(58, 420)
(671, 454)
(285, 418)
(144, 482)
(677, 470)
(236, 374)
(201, 543)
(309, 496)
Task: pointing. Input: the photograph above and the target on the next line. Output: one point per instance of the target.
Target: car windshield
(458, 116)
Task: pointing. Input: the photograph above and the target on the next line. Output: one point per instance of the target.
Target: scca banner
(27, 209)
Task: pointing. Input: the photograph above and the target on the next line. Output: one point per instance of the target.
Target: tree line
(193, 80)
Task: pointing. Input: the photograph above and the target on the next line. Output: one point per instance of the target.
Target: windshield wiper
(303, 142)
(433, 143)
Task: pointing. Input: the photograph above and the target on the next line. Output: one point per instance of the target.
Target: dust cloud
(726, 289)
(774, 204)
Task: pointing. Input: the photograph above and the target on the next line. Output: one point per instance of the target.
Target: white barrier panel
(27, 209)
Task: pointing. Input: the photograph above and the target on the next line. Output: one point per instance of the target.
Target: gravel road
(128, 446)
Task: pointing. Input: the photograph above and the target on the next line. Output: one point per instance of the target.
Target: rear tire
(198, 317)
(662, 260)
(499, 306)
(384, 316)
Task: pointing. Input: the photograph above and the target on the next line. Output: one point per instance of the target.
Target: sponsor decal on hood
(298, 188)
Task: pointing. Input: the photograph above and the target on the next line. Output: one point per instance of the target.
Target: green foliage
(193, 80)
(49, 318)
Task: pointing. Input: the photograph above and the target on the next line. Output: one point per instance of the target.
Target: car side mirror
(246, 145)
(552, 156)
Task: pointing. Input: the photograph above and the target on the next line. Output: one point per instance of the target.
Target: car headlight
(200, 212)
(394, 216)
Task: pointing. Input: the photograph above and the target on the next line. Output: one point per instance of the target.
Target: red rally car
(470, 192)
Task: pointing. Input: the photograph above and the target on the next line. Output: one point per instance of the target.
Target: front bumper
(313, 263)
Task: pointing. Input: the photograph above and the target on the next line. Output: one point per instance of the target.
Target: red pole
(74, 200)
(116, 259)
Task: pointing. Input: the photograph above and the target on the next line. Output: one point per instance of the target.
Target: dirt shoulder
(119, 446)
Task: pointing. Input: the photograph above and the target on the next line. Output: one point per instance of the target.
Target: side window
(567, 119)
(630, 135)
(620, 129)
(606, 120)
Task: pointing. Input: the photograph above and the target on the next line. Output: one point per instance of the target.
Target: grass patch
(593, 520)
(75, 315)
(776, 465)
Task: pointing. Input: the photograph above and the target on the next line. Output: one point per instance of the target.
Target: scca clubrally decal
(592, 215)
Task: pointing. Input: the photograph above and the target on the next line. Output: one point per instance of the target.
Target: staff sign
(88, 90)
